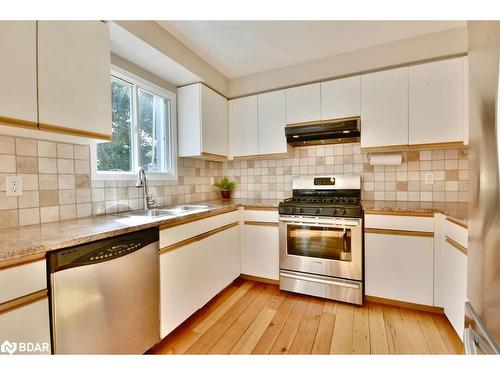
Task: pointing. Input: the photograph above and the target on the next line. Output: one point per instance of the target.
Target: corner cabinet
(437, 106)
(74, 85)
(18, 101)
(384, 108)
(202, 123)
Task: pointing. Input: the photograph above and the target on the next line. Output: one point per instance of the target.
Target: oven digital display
(324, 181)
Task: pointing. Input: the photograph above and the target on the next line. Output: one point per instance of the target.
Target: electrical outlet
(212, 181)
(429, 178)
(14, 186)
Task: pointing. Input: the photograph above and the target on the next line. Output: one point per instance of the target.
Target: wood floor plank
(216, 314)
(252, 335)
(378, 337)
(343, 330)
(213, 334)
(241, 324)
(304, 339)
(397, 339)
(450, 338)
(287, 334)
(324, 335)
(361, 331)
(432, 336)
(266, 342)
(414, 331)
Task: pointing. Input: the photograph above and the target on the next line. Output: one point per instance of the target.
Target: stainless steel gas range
(321, 238)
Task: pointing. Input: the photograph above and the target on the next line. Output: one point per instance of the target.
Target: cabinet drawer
(18, 281)
(182, 232)
(27, 324)
(399, 222)
(456, 232)
(261, 216)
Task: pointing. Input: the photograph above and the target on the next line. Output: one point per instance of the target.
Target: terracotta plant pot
(225, 194)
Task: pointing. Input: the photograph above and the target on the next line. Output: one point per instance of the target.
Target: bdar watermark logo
(8, 347)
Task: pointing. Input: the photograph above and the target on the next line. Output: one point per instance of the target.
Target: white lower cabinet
(28, 327)
(218, 263)
(191, 275)
(178, 286)
(260, 251)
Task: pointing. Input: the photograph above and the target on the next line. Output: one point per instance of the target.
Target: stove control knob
(343, 211)
(334, 211)
(301, 210)
(318, 210)
(292, 210)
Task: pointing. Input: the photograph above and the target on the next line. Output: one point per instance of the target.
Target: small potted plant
(225, 186)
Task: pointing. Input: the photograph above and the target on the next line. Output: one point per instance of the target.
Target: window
(143, 118)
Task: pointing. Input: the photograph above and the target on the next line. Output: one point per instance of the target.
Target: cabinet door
(454, 286)
(399, 267)
(243, 126)
(178, 286)
(189, 120)
(214, 122)
(27, 324)
(384, 108)
(437, 102)
(260, 251)
(74, 77)
(218, 262)
(18, 72)
(303, 103)
(272, 121)
(341, 98)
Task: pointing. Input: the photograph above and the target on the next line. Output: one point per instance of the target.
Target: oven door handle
(328, 282)
(351, 224)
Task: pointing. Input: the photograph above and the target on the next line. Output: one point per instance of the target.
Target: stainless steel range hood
(344, 130)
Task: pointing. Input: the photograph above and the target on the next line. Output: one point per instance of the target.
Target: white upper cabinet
(272, 121)
(243, 126)
(202, 122)
(303, 103)
(18, 72)
(341, 98)
(384, 108)
(74, 77)
(437, 105)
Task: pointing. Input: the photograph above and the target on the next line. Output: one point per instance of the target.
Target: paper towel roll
(392, 159)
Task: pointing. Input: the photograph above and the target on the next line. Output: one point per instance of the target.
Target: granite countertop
(16, 243)
(456, 210)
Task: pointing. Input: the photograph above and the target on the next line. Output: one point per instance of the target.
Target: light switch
(429, 178)
(14, 186)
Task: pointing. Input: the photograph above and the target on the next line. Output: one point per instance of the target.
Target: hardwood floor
(254, 318)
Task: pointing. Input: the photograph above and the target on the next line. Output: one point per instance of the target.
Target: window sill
(124, 176)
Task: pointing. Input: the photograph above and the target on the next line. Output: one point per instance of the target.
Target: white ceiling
(135, 50)
(240, 48)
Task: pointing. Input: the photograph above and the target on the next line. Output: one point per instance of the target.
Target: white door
(27, 324)
(384, 108)
(243, 126)
(74, 83)
(437, 102)
(272, 121)
(260, 251)
(218, 263)
(399, 267)
(178, 286)
(303, 103)
(341, 98)
(18, 71)
(214, 122)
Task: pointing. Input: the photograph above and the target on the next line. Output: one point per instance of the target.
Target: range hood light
(295, 136)
(346, 131)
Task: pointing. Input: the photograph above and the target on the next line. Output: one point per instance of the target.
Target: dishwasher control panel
(116, 250)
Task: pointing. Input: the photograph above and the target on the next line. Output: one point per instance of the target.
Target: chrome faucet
(143, 182)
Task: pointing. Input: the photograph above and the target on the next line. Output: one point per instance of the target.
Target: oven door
(322, 246)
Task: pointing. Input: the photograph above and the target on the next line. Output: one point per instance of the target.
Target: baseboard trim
(259, 279)
(407, 305)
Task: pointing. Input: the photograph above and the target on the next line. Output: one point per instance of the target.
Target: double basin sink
(180, 210)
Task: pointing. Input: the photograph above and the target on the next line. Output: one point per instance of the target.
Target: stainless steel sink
(153, 212)
(186, 209)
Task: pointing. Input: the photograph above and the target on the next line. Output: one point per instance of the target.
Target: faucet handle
(151, 199)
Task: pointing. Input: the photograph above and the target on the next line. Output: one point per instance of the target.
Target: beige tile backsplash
(272, 178)
(57, 182)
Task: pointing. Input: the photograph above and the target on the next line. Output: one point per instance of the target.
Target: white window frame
(141, 83)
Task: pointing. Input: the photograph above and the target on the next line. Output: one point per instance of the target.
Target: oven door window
(319, 242)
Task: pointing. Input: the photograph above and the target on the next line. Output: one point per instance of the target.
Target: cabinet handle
(396, 232)
(22, 301)
(456, 245)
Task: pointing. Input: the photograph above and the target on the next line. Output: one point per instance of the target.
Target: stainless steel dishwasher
(105, 295)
